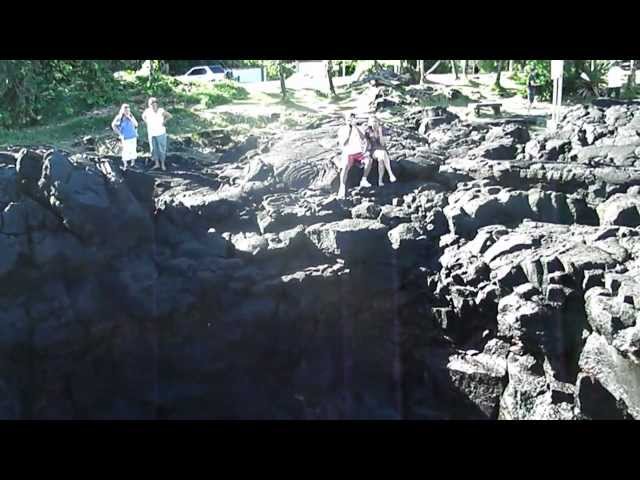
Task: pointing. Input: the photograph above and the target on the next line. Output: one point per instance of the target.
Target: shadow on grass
(289, 103)
(503, 92)
(277, 96)
(339, 98)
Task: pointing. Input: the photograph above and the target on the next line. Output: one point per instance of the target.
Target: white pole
(559, 97)
(557, 73)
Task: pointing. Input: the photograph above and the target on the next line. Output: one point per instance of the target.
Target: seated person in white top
(155, 119)
(353, 144)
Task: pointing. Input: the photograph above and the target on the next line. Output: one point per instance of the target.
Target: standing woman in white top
(155, 118)
(126, 126)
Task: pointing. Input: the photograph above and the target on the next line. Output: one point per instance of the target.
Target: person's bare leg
(342, 191)
(376, 156)
(367, 169)
(387, 164)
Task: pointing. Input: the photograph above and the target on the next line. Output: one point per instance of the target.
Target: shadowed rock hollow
(498, 278)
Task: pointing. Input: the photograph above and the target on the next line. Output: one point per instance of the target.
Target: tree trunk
(421, 70)
(343, 69)
(454, 68)
(330, 75)
(283, 88)
(511, 65)
(153, 72)
(497, 83)
(465, 63)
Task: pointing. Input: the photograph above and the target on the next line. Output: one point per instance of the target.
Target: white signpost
(557, 71)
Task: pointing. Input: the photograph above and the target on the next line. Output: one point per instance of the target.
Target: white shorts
(129, 149)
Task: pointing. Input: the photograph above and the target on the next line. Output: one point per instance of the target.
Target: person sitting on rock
(155, 119)
(377, 150)
(126, 126)
(353, 144)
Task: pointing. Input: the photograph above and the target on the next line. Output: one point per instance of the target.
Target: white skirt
(129, 149)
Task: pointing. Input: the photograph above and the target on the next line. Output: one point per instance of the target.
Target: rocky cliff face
(498, 278)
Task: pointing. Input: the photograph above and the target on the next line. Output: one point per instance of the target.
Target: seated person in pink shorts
(354, 147)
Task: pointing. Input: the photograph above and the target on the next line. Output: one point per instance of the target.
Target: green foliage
(349, 66)
(137, 85)
(210, 95)
(488, 66)
(19, 85)
(272, 68)
(630, 92)
(32, 90)
(589, 82)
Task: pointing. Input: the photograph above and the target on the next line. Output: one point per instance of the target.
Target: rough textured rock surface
(497, 279)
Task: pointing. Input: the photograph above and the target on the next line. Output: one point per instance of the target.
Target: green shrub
(590, 82)
(630, 92)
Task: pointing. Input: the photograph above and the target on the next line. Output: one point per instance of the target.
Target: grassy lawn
(185, 102)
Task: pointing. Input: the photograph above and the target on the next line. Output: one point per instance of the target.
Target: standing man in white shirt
(155, 119)
(353, 144)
